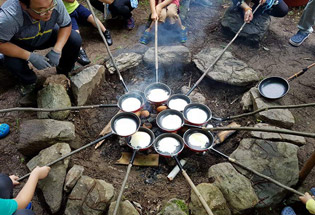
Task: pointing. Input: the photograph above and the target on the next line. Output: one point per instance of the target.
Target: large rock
(169, 56)
(72, 177)
(277, 160)
(175, 207)
(228, 69)
(246, 102)
(253, 31)
(195, 96)
(85, 82)
(53, 184)
(125, 208)
(298, 140)
(39, 134)
(53, 96)
(236, 188)
(58, 79)
(124, 62)
(214, 199)
(277, 117)
(89, 197)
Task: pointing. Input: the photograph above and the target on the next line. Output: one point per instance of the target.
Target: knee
(283, 11)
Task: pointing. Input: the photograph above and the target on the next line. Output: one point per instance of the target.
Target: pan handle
(300, 72)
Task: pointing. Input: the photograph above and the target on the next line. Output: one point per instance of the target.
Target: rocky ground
(147, 185)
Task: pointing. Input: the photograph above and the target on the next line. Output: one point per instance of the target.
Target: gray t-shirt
(17, 24)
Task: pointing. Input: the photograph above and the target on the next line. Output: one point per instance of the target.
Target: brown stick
(156, 52)
(307, 168)
(300, 72)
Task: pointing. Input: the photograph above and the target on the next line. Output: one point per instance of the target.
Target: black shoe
(108, 38)
(83, 58)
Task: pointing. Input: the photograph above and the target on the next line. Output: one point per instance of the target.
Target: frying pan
(170, 145)
(165, 119)
(178, 102)
(197, 109)
(198, 140)
(125, 124)
(209, 146)
(136, 143)
(157, 87)
(131, 102)
(277, 87)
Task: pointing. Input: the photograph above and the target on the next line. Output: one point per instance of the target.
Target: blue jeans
(6, 192)
(308, 17)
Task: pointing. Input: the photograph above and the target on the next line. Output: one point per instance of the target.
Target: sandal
(288, 211)
(4, 130)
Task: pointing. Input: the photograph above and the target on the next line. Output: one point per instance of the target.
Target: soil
(274, 56)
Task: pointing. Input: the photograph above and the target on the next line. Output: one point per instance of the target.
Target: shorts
(171, 12)
(79, 15)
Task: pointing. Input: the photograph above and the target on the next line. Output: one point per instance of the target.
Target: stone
(204, 3)
(58, 79)
(214, 199)
(89, 197)
(125, 208)
(278, 160)
(195, 96)
(124, 62)
(39, 134)
(85, 82)
(246, 102)
(52, 185)
(297, 140)
(228, 69)
(278, 117)
(53, 96)
(236, 188)
(72, 177)
(253, 32)
(175, 207)
(169, 56)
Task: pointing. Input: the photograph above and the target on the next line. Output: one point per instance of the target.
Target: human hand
(158, 9)
(14, 179)
(248, 16)
(53, 57)
(41, 172)
(306, 197)
(154, 16)
(38, 61)
(261, 2)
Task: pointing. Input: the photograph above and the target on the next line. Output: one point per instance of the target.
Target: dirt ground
(146, 185)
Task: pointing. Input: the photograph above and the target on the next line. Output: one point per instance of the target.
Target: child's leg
(24, 212)
(172, 13)
(91, 20)
(6, 187)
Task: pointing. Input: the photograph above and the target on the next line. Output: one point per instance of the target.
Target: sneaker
(288, 211)
(145, 38)
(108, 37)
(183, 35)
(83, 58)
(298, 38)
(27, 89)
(130, 23)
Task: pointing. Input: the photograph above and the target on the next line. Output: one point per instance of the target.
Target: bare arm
(27, 192)
(12, 50)
(154, 15)
(107, 1)
(62, 37)
(164, 3)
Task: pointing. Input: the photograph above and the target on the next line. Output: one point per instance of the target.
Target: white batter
(140, 140)
(171, 122)
(168, 145)
(130, 104)
(125, 126)
(178, 104)
(197, 115)
(198, 140)
(158, 95)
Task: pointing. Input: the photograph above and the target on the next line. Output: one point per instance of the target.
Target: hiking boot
(145, 38)
(108, 37)
(183, 35)
(130, 23)
(27, 89)
(298, 38)
(83, 58)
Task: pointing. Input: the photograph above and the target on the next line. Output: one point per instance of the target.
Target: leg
(172, 14)
(24, 212)
(308, 17)
(279, 10)
(121, 7)
(92, 21)
(98, 5)
(163, 15)
(6, 187)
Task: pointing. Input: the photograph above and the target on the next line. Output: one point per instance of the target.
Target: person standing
(305, 24)
(29, 25)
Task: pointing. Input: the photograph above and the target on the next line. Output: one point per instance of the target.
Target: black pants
(117, 8)
(69, 56)
(6, 192)
(279, 10)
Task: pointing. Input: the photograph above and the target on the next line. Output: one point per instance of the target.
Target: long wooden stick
(156, 52)
(220, 55)
(292, 77)
(283, 131)
(232, 160)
